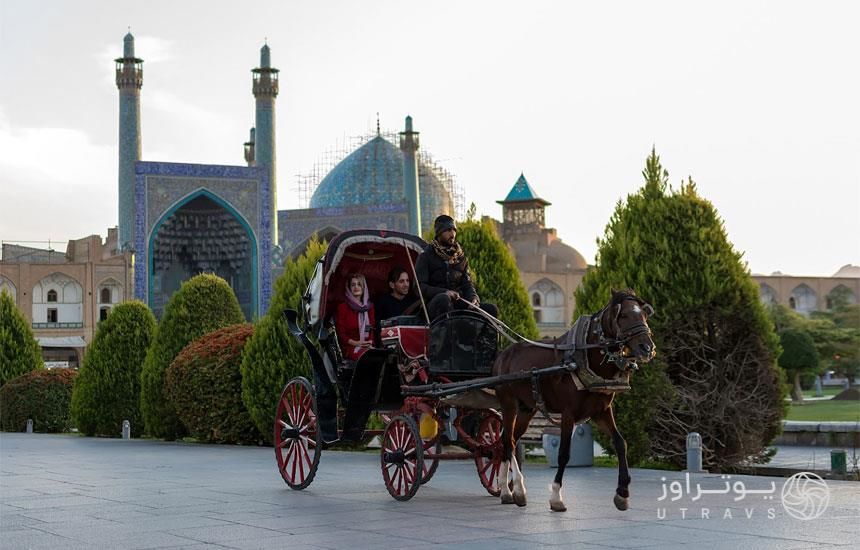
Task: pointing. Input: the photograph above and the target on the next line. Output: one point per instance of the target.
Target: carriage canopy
(371, 252)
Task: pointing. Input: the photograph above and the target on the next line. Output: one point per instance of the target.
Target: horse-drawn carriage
(430, 382)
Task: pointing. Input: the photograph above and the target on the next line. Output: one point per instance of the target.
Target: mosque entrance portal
(202, 236)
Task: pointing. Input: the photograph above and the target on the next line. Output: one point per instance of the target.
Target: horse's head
(625, 319)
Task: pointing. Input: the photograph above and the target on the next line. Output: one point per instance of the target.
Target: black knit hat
(443, 223)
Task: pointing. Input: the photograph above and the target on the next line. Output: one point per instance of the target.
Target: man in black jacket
(442, 270)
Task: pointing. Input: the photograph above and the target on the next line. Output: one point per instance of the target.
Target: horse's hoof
(557, 507)
(520, 500)
(507, 499)
(621, 503)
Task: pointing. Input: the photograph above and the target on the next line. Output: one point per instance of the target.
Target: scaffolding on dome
(308, 183)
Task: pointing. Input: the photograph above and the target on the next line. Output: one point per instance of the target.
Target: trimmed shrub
(272, 356)
(204, 385)
(202, 304)
(495, 274)
(107, 390)
(45, 395)
(19, 351)
(715, 372)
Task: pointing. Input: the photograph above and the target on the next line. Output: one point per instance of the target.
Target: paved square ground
(68, 492)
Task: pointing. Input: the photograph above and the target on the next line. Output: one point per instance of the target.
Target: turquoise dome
(373, 174)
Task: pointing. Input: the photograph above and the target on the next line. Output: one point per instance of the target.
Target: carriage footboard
(453, 388)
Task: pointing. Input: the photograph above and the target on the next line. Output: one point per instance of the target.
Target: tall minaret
(409, 146)
(265, 89)
(129, 80)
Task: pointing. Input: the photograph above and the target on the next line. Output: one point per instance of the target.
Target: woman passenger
(354, 319)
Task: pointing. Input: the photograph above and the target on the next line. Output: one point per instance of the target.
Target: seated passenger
(354, 319)
(399, 301)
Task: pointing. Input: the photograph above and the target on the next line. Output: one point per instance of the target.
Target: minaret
(265, 88)
(129, 80)
(249, 149)
(409, 146)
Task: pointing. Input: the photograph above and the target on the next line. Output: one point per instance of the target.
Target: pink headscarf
(359, 307)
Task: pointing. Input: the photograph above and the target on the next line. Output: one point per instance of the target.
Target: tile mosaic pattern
(373, 175)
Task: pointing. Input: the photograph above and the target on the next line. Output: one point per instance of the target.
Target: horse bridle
(612, 348)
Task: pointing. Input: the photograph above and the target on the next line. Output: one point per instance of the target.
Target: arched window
(840, 296)
(547, 302)
(58, 301)
(6, 284)
(105, 296)
(792, 303)
(767, 294)
(805, 300)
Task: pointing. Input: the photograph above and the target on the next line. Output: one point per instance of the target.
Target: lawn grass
(825, 411)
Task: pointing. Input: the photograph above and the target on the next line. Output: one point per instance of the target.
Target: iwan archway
(202, 234)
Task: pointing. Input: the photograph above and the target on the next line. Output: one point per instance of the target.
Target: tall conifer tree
(715, 371)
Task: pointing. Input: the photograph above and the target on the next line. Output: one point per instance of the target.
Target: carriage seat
(403, 321)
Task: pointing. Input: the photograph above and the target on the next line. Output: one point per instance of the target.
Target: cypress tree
(19, 351)
(715, 371)
(272, 355)
(495, 274)
(107, 390)
(202, 304)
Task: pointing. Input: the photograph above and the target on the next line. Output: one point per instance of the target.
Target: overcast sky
(757, 101)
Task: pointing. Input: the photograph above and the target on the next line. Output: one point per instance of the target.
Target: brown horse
(610, 343)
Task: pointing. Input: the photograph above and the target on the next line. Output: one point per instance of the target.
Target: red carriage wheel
(297, 437)
(488, 456)
(402, 457)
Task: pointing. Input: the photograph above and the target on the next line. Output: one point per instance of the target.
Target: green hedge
(204, 385)
(19, 351)
(43, 395)
(202, 304)
(107, 390)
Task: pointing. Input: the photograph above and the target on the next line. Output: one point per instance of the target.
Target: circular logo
(805, 496)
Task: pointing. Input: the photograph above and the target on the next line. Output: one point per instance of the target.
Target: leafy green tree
(19, 351)
(495, 274)
(799, 356)
(205, 387)
(107, 390)
(202, 304)
(272, 356)
(715, 372)
(837, 337)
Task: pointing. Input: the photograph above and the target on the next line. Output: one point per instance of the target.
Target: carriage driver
(442, 270)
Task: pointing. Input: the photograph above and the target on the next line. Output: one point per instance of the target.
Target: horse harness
(575, 359)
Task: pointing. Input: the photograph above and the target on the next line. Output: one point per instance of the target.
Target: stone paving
(70, 492)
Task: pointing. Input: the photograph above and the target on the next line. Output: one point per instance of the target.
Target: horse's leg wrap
(519, 483)
(556, 500)
(507, 497)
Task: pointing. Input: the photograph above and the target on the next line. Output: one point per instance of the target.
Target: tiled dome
(373, 174)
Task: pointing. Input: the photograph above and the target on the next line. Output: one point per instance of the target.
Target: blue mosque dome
(373, 174)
